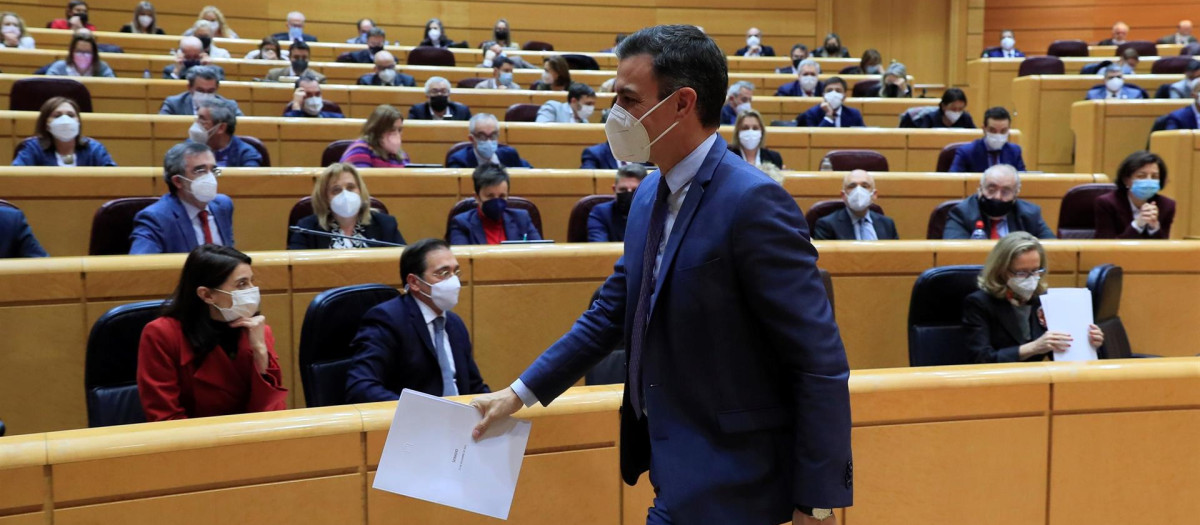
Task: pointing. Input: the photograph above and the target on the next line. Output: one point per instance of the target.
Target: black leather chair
(935, 333)
(536, 45)
(1041, 66)
(110, 368)
(1175, 65)
(28, 94)
(946, 157)
(1145, 48)
(937, 219)
(522, 113)
(516, 203)
(470, 82)
(1068, 48)
(1076, 216)
(865, 89)
(431, 56)
(857, 159)
(1105, 283)
(329, 326)
(333, 152)
(260, 148)
(113, 223)
(577, 230)
(583, 62)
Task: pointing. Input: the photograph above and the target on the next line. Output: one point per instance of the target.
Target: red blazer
(1114, 217)
(173, 386)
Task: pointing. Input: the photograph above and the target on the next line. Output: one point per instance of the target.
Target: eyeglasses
(481, 136)
(1025, 275)
(445, 274)
(201, 170)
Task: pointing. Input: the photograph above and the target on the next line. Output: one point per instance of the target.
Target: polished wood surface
(991, 79)
(1037, 24)
(1107, 131)
(1179, 150)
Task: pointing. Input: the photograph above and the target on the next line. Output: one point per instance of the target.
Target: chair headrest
(938, 294)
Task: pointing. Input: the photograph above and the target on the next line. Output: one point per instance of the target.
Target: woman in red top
(77, 17)
(211, 353)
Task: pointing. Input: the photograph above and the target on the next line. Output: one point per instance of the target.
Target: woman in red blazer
(1139, 178)
(210, 353)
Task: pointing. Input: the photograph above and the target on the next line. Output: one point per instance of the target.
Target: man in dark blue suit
(736, 395)
(439, 105)
(994, 148)
(491, 221)
(808, 82)
(1186, 117)
(598, 157)
(385, 73)
(606, 221)
(1007, 49)
(376, 38)
(415, 341)
(192, 213)
(856, 221)
(996, 210)
(484, 133)
(738, 99)
(754, 46)
(16, 237)
(832, 113)
(216, 123)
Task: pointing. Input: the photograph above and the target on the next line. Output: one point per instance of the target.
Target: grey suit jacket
(181, 104)
(555, 111)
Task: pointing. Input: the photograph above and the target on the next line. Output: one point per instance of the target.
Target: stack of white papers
(1069, 310)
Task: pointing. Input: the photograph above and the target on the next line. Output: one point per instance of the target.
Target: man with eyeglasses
(996, 210)
(192, 213)
(484, 133)
(439, 105)
(415, 341)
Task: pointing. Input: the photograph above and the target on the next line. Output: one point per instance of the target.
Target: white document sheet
(430, 455)
(1069, 310)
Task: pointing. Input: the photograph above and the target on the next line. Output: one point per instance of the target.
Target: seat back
(454, 149)
(113, 223)
(857, 159)
(1068, 48)
(259, 147)
(468, 83)
(28, 94)
(850, 70)
(516, 203)
(581, 62)
(577, 230)
(110, 364)
(430, 56)
(865, 88)
(535, 45)
(823, 208)
(521, 113)
(334, 151)
(1144, 48)
(937, 219)
(303, 208)
(1076, 219)
(1170, 65)
(946, 157)
(329, 326)
(935, 333)
(1041, 66)
(1105, 282)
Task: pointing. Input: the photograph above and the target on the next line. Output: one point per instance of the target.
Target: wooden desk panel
(1107, 131)
(991, 78)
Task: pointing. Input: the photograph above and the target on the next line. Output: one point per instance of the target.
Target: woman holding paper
(1003, 320)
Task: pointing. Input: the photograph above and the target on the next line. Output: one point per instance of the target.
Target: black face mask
(621, 205)
(796, 62)
(833, 48)
(205, 41)
(190, 63)
(299, 66)
(502, 34)
(891, 90)
(439, 103)
(995, 208)
(375, 49)
(83, 19)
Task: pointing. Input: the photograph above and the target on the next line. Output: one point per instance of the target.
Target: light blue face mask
(505, 78)
(486, 148)
(1143, 189)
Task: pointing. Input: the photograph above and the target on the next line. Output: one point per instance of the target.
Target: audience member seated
(807, 83)
(750, 140)
(502, 76)
(298, 54)
(832, 48)
(376, 38)
(871, 64)
(1182, 36)
(1120, 32)
(599, 157)
(203, 30)
(492, 221)
(77, 17)
(1183, 88)
(1185, 117)
(1128, 61)
(295, 29)
(951, 112)
(58, 141)
(856, 221)
(894, 83)
(580, 104)
(502, 35)
(189, 55)
(994, 148)
(268, 49)
(434, 35)
(203, 83)
(16, 237)
(754, 47)
(216, 22)
(1003, 320)
(83, 60)
(385, 73)
(307, 101)
(145, 21)
(415, 341)
(192, 213)
(1114, 86)
(606, 221)
(211, 353)
(216, 122)
(439, 105)
(483, 130)
(831, 112)
(365, 25)
(737, 101)
(492, 51)
(799, 53)
(995, 209)
(342, 206)
(1008, 47)
(1136, 209)
(556, 75)
(380, 144)
(13, 34)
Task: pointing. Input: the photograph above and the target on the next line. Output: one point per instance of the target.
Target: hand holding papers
(1069, 310)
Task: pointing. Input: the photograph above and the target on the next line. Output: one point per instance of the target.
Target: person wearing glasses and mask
(192, 213)
(211, 352)
(484, 133)
(1003, 320)
(606, 221)
(995, 211)
(416, 341)
(439, 105)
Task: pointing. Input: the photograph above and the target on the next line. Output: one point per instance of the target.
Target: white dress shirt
(836, 119)
(430, 315)
(194, 215)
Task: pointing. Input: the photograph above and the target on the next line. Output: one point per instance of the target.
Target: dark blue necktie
(654, 234)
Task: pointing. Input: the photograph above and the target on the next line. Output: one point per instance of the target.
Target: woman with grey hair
(894, 82)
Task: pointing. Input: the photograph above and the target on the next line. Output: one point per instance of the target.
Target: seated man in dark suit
(606, 222)
(1120, 35)
(1182, 35)
(484, 133)
(307, 101)
(415, 341)
(192, 213)
(295, 25)
(737, 100)
(996, 210)
(1008, 47)
(439, 105)
(16, 237)
(799, 53)
(807, 83)
(1183, 87)
(1186, 117)
(991, 150)
(599, 157)
(856, 222)
(832, 113)
(492, 221)
(385, 73)
(754, 47)
(203, 83)
(376, 38)
(1114, 87)
(215, 125)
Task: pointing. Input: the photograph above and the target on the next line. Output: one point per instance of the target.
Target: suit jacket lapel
(478, 236)
(512, 227)
(223, 225)
(692, 201)
(844, 225)
(184, 223)
(878, 225)
(417, 322)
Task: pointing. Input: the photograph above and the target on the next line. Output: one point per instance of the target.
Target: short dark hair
(307, 76)
(1133, 163)
(799, 46)
(837, 80)
(487, 175)
(953, 95)
(683, 56)
(208, 265)
(631, 171)
(375, 31)
(175, 161)
(412, 261)
(499, 62)
(996, 113)
(299, 44)
(579, 90)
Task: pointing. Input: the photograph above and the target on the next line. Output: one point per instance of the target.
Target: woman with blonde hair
(749, 139)
(145, 20)
(1003, 320)
(380, 142)
(342, 206)
(216, 21)
(13, 33)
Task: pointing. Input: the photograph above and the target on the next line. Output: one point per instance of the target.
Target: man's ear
(686, 101)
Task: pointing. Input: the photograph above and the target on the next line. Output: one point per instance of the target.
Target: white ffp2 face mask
(834, 99)
(313, 105)
(203, 188)
(750, 138)
(198, 134)
(1023, 288)
(64, 128)
(808, 82)
(628, 137)
(444, 294)
(952, 116)
(585, 111)
(245, 304)
(995, 141)
(346, 204)
(859, 199)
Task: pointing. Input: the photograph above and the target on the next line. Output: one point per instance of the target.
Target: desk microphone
(307, 231)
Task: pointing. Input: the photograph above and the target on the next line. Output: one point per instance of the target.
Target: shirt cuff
(523, 392)
(830, 120)
(1140, 229)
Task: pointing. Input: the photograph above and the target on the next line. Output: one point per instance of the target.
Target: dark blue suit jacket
(603, 225)
(401, 80)
(599, 157)
(745, 376)
(467, 227)
(92, 153)
(241, 155)
(728, 115)
(973, 157)
(815, 117)
(792, 89)
(1026, 216)
(999, 53)
(16, 237)
(164, 227)
(465, 158)
(1182, 118)
(393, 351)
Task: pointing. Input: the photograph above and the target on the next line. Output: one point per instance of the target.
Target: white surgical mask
(313, 105)
(64, 128)
(628, 137)
(753, 40)
(1023, 288)
(203, 188)
(1008, 43)
(435, 34)
(444, 294)
(750, 138)
(995, 141)
(585, 111)
(952, 116)
(145, 20)
(808, 83)
(214, 26)
(546, 78)
(245, 304)
(387, 76)
(346, 204)
(1114, 84)
(834, 99)
(198, 134)
(742, 108)
(859, 199)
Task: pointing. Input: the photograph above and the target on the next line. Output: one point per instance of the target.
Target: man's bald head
(858, 178)
(384, 60)
(191, 44)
